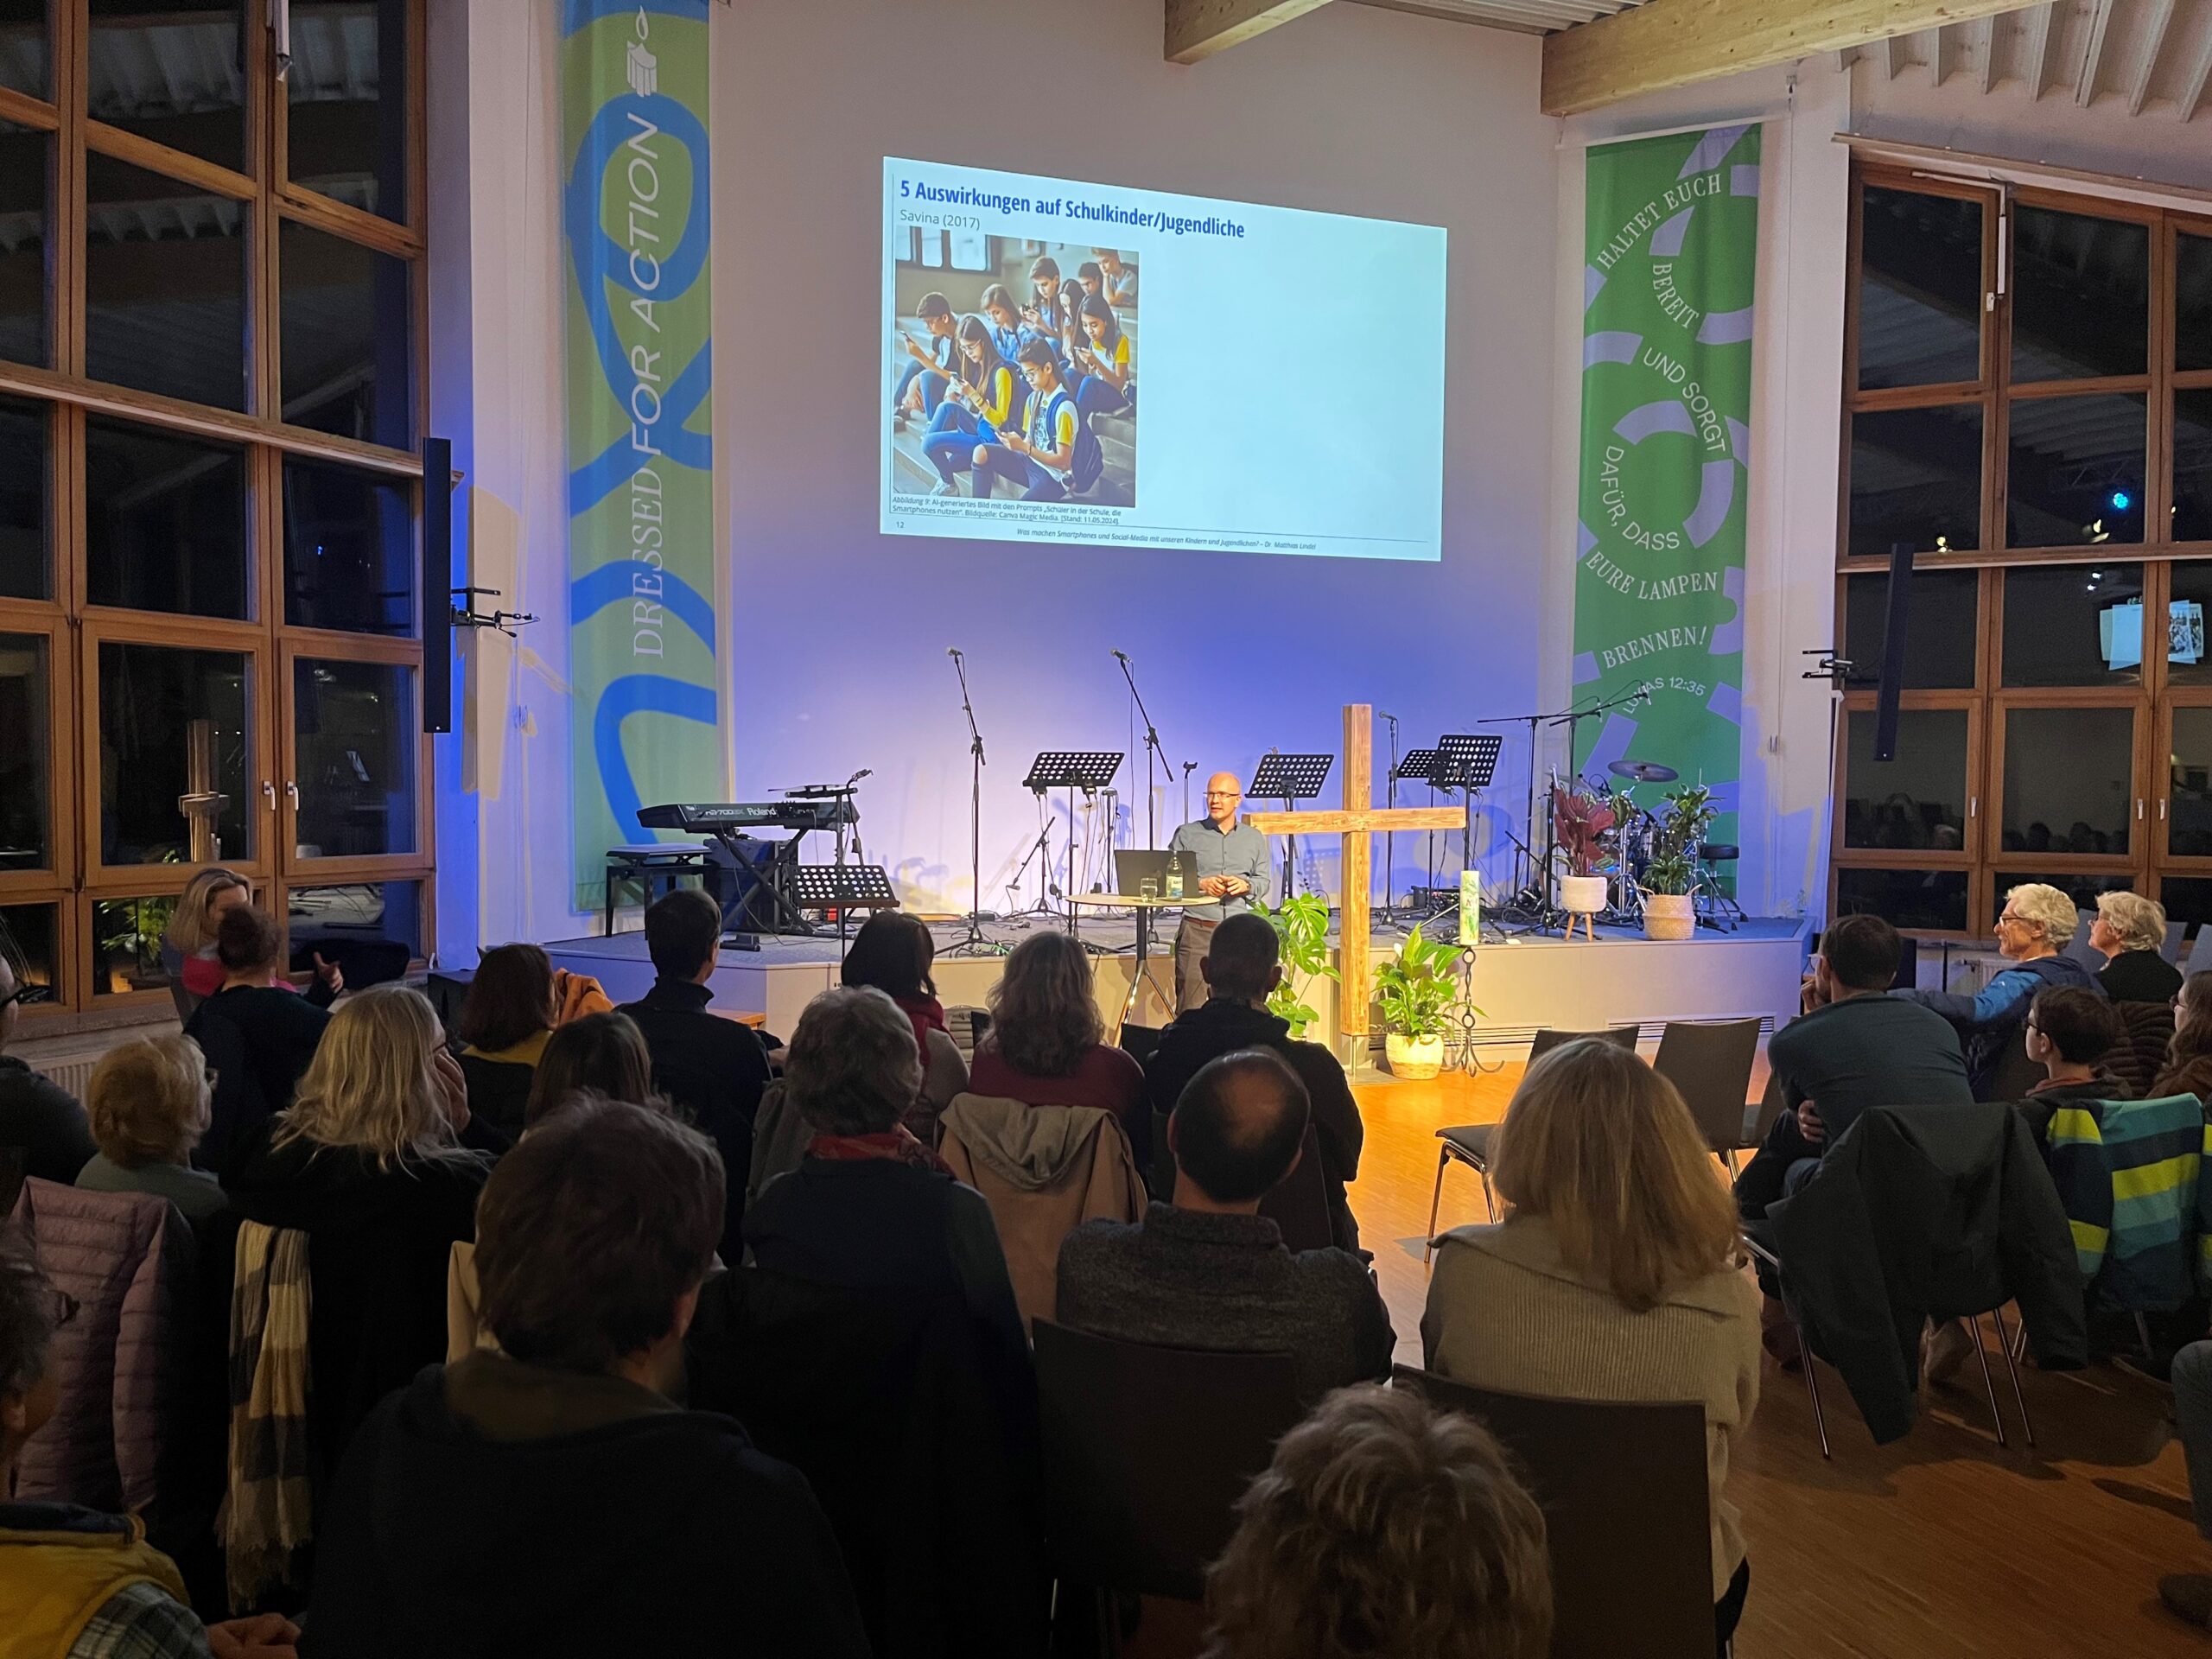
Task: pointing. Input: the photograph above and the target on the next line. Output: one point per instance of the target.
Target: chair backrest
(2078, 948)
(1146, 1451)
(1299, 1207)
(1627, 1509)
(1710, 1065)
(2015, 1075)
(1548, 1039)
(2171, 948)
(1138, 1042)
(2199, 952)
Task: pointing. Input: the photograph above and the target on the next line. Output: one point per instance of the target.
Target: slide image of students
(954, 380)
(1118, 277)
(1055, 455)
(985, 401)
(926, 378)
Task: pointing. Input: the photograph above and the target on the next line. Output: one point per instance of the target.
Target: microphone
(952, 651)
(1121, 656)
(865, 772)
(1393, 719)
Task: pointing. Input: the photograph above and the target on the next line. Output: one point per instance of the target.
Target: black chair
(1299, 1207)
(1469, 1143)
(1146, 1451)
(1710, 1065)
(1626, 1508)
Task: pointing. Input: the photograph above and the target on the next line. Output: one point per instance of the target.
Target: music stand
(1466, 761)
(1288, 777)
(1088, 770)
(1420, 766)
(842, 887)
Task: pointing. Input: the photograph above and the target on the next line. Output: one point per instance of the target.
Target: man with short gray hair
(869, 1204)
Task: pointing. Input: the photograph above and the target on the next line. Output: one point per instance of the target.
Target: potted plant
(1301, 928)
(1416, 988)
(1581, 817)
(1670, 878)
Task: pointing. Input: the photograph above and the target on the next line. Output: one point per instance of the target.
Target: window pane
(26, 55)
(2068, 781)
(27, 936)
(349, 550)
(347, 347)
(2192, 509)
(164, 521)
(1940, 628)
(127, 936)
(1916, 477)
(2188, 657)
(2080, 295)
(26, 483)
(164, 286)
(1919, 289)
(2080, 888)
(26, 187)
(1932, 900)
(173, 72)
(337, 922)
(1916, 798)
(2187, 897)
(2076, 475)
(347, 102)
(2193, 302)
(357, 742)
(173, 723)
(2188, 780)
(26, 823)
(2073, 624)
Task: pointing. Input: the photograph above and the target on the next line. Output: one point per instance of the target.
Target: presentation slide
(1092, 364)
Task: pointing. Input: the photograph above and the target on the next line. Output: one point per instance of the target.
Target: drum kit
(1624, 849)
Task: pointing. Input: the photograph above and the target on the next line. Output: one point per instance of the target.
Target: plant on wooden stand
(1581, 817)
(1301, 928)
(1670, 878)
(1415, 989)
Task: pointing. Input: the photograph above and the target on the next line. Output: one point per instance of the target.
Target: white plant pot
(1582, 895)
(1414, 1057)
(1669, 915)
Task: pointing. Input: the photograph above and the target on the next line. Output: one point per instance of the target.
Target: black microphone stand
(973, 942)
(1152, 754)
(1389, 839)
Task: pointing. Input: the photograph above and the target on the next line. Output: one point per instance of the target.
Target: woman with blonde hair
(2130, 933)
(148, 1104)
(378, 1161)
(188, 948)
(1047, 1045)
(1615, 1276)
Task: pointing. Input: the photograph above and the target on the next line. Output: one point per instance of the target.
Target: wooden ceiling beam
(2154, 44)
(1665, 43)
(2042, 50)
(2093, 53)
(1198, 29)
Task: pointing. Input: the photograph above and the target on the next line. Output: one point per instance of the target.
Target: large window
(211, 391)
(2028, 406)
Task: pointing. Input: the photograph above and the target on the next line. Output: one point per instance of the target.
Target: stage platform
(1521, 983)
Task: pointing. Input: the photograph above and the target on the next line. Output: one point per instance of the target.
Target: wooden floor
(1941, 1545)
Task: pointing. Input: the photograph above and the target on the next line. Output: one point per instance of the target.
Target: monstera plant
(1301, 925)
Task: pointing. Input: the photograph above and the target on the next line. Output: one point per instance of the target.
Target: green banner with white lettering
(1671, 239)
(642, 626)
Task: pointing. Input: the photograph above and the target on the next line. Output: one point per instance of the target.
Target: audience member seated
(2187, 1070)
(257, 1032)
(149, 1101)
(894, 953)
(2071, 1031)
(869, 1204)
(38, 1117)
(2038, 922)
(551, 1498)
(2130, 933)
(1209, 1271)
(187, 954)
(1242, 964)
(713, 1070)
(504, 1022)
(76, 1583)
(1615, 1275)
(1384, 1527)
(1046, 1044)
(1857, 1045)
(378, 1162)
(599, 1054)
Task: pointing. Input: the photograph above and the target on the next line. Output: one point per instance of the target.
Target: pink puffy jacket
(125, 1258)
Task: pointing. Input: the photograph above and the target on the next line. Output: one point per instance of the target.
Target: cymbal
(1643, 772)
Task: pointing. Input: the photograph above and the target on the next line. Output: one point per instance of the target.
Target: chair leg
(1974, 1331)
(1728, 1157)
(1443, 1160)
(2012, 1366)
(1812, 1388)
(2142, 1334)
(1488, 1202)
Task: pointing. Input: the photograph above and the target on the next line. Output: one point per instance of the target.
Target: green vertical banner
(642, 632)
(1671, 242)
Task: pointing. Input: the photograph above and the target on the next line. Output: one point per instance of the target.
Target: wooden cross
(1354, 824)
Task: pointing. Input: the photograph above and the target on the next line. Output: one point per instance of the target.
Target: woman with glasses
(2038, 923)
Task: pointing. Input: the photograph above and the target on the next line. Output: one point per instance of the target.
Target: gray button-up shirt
(1239, 851)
